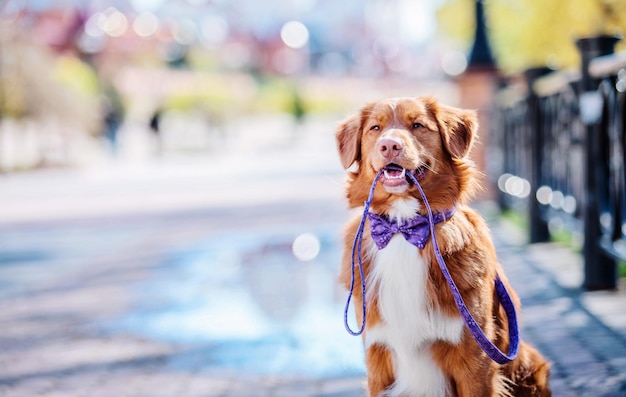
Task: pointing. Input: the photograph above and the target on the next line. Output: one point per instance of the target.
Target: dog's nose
(390, 148)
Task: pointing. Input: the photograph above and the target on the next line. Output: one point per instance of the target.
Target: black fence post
(600, 270)
(537, 225)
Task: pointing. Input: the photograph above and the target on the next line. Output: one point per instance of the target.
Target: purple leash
(503, 295)
(358, 239)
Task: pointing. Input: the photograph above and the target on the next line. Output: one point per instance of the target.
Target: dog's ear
(458, 128)
(349, 140)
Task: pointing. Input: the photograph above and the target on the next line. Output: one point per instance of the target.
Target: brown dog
(415, 340)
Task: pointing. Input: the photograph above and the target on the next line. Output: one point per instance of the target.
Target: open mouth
(395, 176)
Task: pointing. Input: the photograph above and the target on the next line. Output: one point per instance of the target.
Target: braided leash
(503, 295)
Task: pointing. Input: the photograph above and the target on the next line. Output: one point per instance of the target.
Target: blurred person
(113, 116)
(154, 124)
(298, 109)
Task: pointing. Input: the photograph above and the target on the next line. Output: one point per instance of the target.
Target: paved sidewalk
(180, 279)
(582, 333)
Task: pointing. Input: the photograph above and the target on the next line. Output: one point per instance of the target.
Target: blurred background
(96, 73)
(171, 200)
(84, 79)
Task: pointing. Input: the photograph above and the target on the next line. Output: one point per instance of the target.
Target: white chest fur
(398, 277)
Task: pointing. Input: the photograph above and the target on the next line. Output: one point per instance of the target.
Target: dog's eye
(417, 125)
(375, 128)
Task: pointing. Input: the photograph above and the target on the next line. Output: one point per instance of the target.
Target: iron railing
(562, 141)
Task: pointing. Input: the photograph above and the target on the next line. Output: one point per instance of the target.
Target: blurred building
(209, 59)
(372, 38)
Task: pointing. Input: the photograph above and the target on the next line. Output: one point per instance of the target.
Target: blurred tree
(37, 85)
(48, 104)
(529, 33)
(76, 75)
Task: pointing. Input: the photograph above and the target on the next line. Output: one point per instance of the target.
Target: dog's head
(403, 135)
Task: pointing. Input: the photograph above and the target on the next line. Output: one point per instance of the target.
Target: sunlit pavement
(214, 275)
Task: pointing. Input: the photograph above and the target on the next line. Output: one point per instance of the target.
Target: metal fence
(561, 137)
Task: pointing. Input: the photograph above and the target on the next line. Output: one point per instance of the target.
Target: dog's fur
(415, 341)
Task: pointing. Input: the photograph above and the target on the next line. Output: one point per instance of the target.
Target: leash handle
(503, 295)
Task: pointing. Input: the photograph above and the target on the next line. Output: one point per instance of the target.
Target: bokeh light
(112, 22)
(454, 63)
(214, 29)
(185, 31)
(294, 34)
(146, 24)
(306, 247)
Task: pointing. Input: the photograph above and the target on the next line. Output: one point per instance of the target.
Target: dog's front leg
(471, 372)
(477, 385)
(379, 369)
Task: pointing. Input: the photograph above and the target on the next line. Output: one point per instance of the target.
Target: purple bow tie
(415, 230)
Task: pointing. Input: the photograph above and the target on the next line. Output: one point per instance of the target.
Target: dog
(416, 342)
